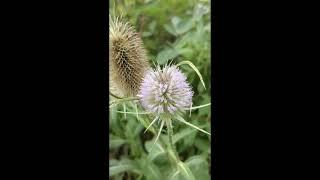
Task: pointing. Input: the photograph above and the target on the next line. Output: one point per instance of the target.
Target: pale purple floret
(165, 91)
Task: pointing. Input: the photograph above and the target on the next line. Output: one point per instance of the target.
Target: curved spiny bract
(128, 59)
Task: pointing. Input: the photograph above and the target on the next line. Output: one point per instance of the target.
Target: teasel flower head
(128, 58)
(165, 91)
(166, 94)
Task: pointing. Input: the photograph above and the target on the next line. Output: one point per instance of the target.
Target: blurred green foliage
(175, 30)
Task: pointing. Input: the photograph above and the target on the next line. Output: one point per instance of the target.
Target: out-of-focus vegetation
(175, 30)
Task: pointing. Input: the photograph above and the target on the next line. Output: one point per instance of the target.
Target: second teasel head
(128, 59)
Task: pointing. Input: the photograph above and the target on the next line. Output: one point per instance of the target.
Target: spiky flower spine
(128, 58)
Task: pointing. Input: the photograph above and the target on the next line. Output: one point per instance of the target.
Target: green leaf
(170, 29)
(195, 69)
(185, 171)
(120, 168)
(113, 162)
(137, 130)
(114, 122)
(119, 177)
(207, 28)
(116, 142)
(166, 55)
(123, 166)
(152, 26)
(133, 128)
(188, 142)
(157, 150)
(152, 172)
(184, 41)
(199, 167)
(184, 27)
(199, 11)
(175, 21)
(187, 52)
(181, 134)
(202, 144)
(146, 34)
(195, 160)
(174, 175)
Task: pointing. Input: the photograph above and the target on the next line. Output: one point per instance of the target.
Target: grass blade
(195, 69)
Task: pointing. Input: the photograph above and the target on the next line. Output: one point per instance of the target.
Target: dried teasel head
(128, 61)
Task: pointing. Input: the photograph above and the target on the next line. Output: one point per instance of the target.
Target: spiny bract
(128, 58)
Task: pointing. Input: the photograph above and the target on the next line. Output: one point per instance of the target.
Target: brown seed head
(128, 61)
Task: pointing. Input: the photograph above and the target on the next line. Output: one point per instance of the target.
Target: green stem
(170, 134)
(171, 150)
